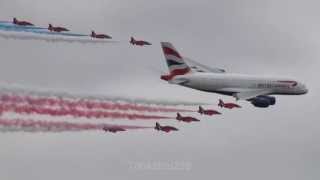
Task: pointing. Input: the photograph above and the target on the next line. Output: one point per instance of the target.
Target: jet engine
(270, 98)
(263, 101)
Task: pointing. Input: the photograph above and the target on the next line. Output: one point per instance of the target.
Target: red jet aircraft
(139, 42)
(166, 129)
(56, 29)
(187, 119)
(113, 129)
(100, 36)
(21, 23)
(228, 105)
(208, 112)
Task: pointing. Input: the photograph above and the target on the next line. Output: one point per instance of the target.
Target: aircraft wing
(198, 67)
(245, 95)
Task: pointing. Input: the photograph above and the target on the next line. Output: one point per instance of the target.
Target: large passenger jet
(255, 89)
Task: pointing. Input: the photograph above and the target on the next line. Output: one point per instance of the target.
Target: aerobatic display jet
(208, 112)
(100, 36)
(255, 89)
(113, 129)
(139, 42)
(21, 23)
(57, 29)
(231, 105)
(166, 129)
(187, 119)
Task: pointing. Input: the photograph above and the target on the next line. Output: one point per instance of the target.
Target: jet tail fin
(158, 126)
(175, 61)
(132, 40)
(221, 103)
(178, 116)
(200, 109)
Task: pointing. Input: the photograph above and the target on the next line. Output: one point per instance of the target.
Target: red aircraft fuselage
(209, 112)
(21, 23)
(228, 105)
(166, 129)
(100, 36)
(139, 42)
(113, 129)
(57, 29)
(187, 119)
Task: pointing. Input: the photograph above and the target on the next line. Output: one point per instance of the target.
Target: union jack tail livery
(175, 62)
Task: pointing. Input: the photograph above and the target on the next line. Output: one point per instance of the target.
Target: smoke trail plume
(52, 38)
(15, 89)
(7, 125)
(84, 104)
(27, 109)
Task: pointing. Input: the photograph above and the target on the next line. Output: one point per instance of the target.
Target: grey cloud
(255, 37)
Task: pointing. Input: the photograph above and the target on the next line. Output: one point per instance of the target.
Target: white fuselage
(228, 84)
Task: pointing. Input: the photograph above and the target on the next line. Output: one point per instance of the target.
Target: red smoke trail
(27, 109)
(86, 104)
(51, 126)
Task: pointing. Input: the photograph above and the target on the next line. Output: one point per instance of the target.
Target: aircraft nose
(304, 89)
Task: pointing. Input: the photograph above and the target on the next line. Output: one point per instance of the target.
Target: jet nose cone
(303, 89)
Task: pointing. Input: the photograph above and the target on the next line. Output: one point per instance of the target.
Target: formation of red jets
(158, 127)
(186, 119)
(93, 34)
(202, 111)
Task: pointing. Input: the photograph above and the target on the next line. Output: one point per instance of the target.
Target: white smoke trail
(29, 110)
(88, 105)
(24, 91)
(51, 38)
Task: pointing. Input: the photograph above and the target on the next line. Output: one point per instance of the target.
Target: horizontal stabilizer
(198, 67)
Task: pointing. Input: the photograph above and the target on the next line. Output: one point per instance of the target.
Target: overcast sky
(264, 37)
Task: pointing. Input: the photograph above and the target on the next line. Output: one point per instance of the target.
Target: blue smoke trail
(8, 26)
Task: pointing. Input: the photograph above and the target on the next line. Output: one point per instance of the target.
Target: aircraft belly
(221, 86)
(205, 85)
